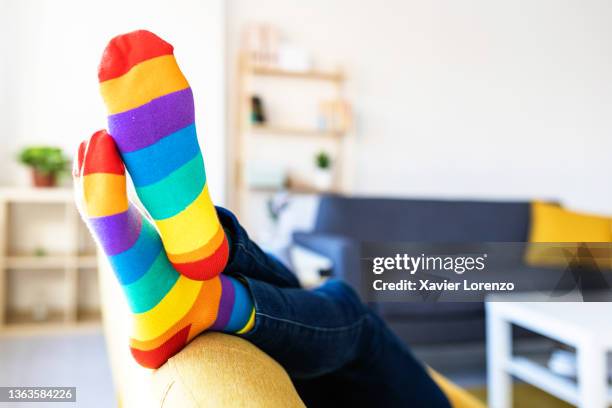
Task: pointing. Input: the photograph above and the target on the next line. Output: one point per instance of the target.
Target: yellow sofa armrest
(220, 370)
(214, 370)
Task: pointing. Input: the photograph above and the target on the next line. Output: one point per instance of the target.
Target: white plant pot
(323, 179)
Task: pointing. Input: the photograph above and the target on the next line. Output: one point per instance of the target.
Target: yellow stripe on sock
(105, 194)
(202, 315)
(191, 228)
(200, 253)
(176, 304)
(146, 81)
(249, 324)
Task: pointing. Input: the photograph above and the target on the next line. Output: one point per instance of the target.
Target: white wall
(469, 99)
(51, 50)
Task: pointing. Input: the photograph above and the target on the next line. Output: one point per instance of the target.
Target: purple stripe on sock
(117, 233)
(142, 126)
(226, 305)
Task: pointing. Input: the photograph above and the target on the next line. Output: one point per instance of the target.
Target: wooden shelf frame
(69, 264)
(247, 73)
(309, 75)
(291, 131)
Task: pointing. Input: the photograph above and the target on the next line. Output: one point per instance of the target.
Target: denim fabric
(336, 350)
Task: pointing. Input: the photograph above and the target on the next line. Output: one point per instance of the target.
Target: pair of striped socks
(170, 268)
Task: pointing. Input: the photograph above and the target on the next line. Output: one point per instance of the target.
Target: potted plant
(46, 163)
(323, 177)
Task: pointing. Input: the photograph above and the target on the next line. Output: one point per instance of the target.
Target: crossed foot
(171, 278)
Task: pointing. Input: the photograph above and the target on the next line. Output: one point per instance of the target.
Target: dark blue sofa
(342, 223)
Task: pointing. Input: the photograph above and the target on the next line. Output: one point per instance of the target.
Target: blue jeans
(335, 349)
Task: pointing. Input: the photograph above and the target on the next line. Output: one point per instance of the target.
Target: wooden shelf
(20, 317)
(65, 266)
(290, 131)
(311, 75)
(22, 323)
(37, 195)
(50, 261)
(295, 189)
(36, 262)
(29, 328)
(253, 78)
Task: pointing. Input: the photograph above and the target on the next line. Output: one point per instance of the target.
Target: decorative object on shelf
(258, 113)
(40, 309)
(277, 204)
(40, 252)
(335, 116)
(294, 58)
(323, 179)
(264, 49)
(46, 162)
(260, 41)
(262, 175)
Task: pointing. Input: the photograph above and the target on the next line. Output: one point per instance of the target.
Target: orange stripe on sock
(204, 251)
(201, 315)
(156, 357)
(127, 50)
(104, 194)
(206, 268)
(146, 81)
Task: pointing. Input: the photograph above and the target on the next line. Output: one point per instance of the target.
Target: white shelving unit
(67, 266)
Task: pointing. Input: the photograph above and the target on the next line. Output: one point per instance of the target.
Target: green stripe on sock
(174, 193)
(149, 290)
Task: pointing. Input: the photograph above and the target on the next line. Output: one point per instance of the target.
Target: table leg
(592, 375)
(499, 352)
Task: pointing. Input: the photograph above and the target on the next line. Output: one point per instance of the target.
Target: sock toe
(102, 155)
(127, 50)
(104, 183)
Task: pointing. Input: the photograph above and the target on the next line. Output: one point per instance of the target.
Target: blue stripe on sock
(243, 306)
(175, 192)
(132, 264)
(154, 162)
(148, 291)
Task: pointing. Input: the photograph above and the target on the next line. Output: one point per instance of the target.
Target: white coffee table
(585, 326)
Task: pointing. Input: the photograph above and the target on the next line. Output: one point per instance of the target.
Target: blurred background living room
(323, 124)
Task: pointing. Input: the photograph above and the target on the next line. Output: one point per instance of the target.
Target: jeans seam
(315, 328)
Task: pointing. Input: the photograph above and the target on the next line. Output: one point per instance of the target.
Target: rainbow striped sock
(151, 118)
(168, 309)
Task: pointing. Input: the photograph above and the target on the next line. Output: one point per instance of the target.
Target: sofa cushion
(442, 311)
(403, 220)
(555, 231)
(552, 223)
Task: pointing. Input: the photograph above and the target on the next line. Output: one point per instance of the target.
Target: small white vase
(323, 179)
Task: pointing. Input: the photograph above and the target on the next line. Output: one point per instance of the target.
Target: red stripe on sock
(127, 50)
(102, 155)
(207, 268)
(156, 357)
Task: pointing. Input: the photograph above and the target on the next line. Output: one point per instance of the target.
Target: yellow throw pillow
(553, 227)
